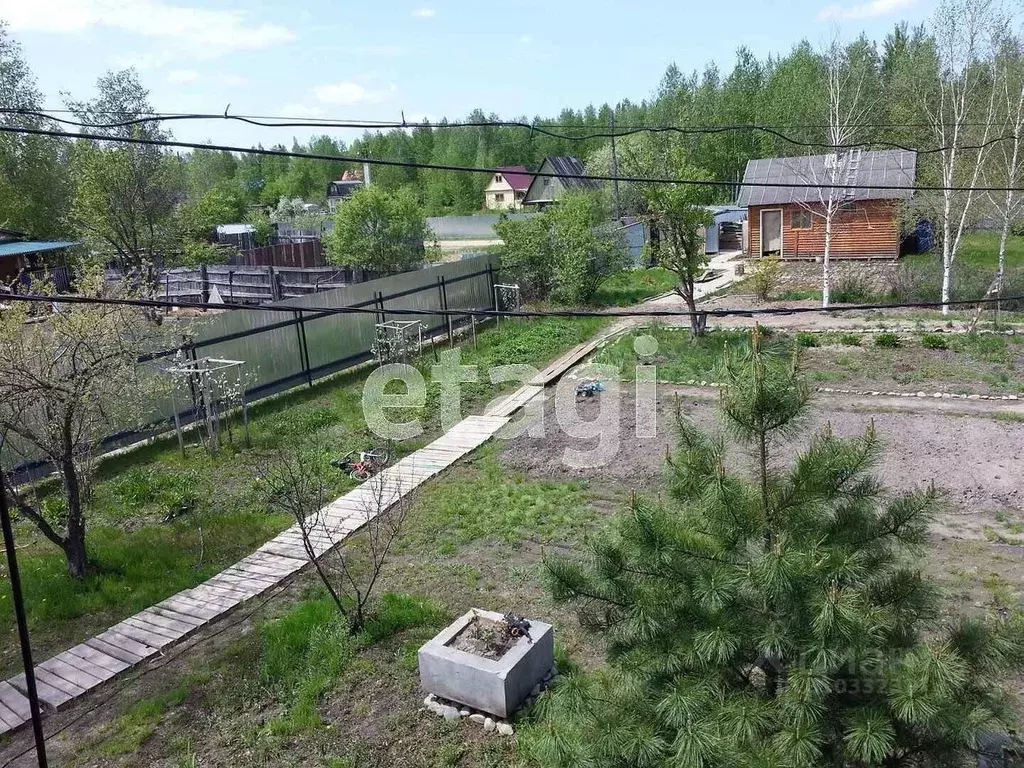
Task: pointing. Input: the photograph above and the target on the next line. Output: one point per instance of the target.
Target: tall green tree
(774, 614)
(34, 188)
(681, 217)
(125, 194)
(378, 229)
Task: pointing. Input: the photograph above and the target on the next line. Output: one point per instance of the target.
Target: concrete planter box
(494, 686)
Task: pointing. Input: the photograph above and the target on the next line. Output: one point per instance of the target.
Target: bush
(564, 253)
(807, 339)
(853, 288)
(887, 340)
(765, 277)
(934, 341)
(850, 340)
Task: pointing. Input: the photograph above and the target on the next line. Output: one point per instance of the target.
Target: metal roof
(570, 170)
(888, 168)
(517, 177)
(235, 229)
(32, 246)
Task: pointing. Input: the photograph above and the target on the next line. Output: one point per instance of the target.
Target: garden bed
(933, 362)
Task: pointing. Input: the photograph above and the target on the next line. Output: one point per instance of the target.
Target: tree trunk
(1001, 271)
(826, 288)
(696, 326)
(947, 263)
(74, 543)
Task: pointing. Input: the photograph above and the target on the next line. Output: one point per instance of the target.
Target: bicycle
(362, 465)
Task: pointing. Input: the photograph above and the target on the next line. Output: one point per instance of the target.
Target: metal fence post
(444, 306)
(19, 612)
(300, 327)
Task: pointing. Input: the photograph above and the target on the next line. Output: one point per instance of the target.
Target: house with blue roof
(21, 257)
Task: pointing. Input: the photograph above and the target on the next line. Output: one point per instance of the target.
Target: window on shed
(800, 220)
(499, 197)
(497, 177)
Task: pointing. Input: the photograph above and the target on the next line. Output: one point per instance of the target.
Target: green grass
(678, 358)
(492, 503)
(221, 512)
(979, 250)
(632, 286)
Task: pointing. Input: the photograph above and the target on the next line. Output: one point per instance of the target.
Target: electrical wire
(545, 123)
(532, 127)
(731, 185)
(313, 313)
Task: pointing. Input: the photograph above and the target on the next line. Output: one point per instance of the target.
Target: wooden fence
(308, 253)
(254, 285)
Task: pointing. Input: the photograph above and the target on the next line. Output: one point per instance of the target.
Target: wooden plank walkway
(68, 675)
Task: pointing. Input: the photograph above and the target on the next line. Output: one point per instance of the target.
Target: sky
(380, 59)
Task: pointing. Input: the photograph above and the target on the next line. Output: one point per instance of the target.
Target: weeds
(887, 340)
(806, 339)
(934, 341)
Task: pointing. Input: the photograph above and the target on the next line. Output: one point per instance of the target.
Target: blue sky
(362, 59)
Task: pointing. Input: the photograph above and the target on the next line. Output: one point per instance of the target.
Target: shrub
(850, 340)
(807, 339)
(853, 288)
(934, 341)
(765, 277)
(887, 340)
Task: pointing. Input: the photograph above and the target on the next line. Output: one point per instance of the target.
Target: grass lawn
(978, 250)
(139, 559)
(632, 286)
(301, 691)
(955, 363)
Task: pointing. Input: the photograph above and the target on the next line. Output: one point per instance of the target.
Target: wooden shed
(787, 220)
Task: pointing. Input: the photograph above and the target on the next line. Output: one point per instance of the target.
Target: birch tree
(1007, 164)
(960, 110)
(847, 78)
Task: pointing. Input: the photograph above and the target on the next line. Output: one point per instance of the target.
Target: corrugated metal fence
(290, 347)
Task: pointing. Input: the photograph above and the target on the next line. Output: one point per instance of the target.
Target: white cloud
(525, 39)
(204, 33)
(233, 81)
(348, 93)
(869, 10)
(182, 76)
(300, 111)
(424, 13)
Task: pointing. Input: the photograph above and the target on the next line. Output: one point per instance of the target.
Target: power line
(473, 169)
(312, 313)
(534, 128)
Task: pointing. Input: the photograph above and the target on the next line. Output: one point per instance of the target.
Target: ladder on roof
(852, 165)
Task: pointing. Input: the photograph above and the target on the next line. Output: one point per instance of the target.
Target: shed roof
(344, 188)
(568, 170)
(884, 175)
(24, 248)
(517, 176)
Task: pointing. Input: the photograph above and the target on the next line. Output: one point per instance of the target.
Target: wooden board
(15, 700)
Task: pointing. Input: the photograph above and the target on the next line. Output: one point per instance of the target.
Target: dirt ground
(973, 452)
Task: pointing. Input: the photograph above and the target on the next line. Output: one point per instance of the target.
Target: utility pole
(366, 174)
(615, 168)
(19, 613)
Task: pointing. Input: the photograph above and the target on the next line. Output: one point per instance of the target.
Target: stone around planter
(493, 686)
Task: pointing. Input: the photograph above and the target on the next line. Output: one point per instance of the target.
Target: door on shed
(771, 233)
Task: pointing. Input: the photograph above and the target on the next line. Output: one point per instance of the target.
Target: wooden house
(560, 175)
(787, 221)
(507, 188)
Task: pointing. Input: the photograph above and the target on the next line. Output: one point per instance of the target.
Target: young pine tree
(771, 617)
